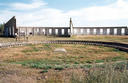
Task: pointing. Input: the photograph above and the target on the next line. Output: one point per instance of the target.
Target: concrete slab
(60, 50)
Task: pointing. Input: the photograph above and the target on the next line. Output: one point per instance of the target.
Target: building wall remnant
(11, 29)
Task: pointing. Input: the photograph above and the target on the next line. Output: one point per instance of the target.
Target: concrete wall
(65, 31)
(47, 31)
(10, 29)
(100, 31)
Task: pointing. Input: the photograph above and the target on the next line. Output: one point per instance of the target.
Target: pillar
(38, 31)
(119, 31)
(59, 32)
(53, 31)
(19, 31)
(126, 31)
(104, 31)
(91, 31)
(98, 31)
(46, 31)
(85, 31)
(9, 31)
(13, 31)
(111, 31)
(66, 32)
(26, 31)
(33, 32)
(78, 32)
(42, 31)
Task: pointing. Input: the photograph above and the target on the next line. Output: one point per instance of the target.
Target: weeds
(108, 74)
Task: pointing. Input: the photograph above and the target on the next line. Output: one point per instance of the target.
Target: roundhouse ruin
(11, 30)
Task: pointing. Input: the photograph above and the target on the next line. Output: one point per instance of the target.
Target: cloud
(24, 6)
(102, 15)
(114, 14)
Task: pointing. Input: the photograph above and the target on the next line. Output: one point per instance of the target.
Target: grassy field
(122, 39)
(39, 63)
(81, 63)
(75, 53)
(109, 38)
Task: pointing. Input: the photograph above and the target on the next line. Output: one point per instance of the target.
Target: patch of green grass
(118, 58)
(121, 65)
(39, 64)
(86, 66)
(47, 46)
(26, 51)
(114, 50)
(81, 56)
(44, 71)
(89, 61)
(99, 61)
(101, 47)
(67, 65)
(33, 49)
(76, 62)
(48, 64)
(59, 67)
(36, 49)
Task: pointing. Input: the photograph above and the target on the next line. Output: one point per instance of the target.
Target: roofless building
(11, 30)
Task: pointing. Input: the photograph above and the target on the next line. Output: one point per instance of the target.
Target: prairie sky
(58, 12)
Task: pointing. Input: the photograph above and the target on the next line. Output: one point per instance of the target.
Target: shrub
(89, 61)
(44, 71)
(76, 62)
(58, 67)
(1, 29)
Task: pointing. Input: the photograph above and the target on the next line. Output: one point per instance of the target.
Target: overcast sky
(58, 12)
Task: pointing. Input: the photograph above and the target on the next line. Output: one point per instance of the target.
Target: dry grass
(75, 53)
(40, 64)
(12, 73)
(109, 38)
